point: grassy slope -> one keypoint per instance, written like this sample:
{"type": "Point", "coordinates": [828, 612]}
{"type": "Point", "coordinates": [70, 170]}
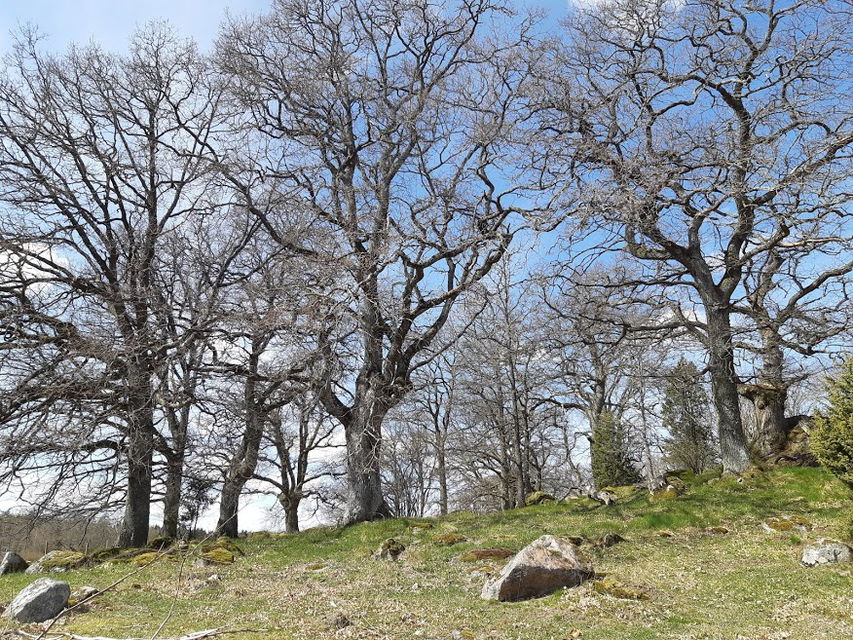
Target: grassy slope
{"type": "Point", "coordinates": [745, 584]}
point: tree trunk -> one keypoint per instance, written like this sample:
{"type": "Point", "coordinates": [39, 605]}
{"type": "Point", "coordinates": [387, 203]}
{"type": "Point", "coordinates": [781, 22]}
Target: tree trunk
{"type": "Point", "coordinates": [244, 462]}
{"type": "Point", "coordinates": [140, 453]}
{"type": "Point", "coordinates": [364, 440]}
{"type": "Point", "coordinates": [172, 498]}
{"type": "Point", "coordinates": [291, 521]}
{"type": "Point", "coordinates": [724, 386]}
{"type": "Point", "coordinates": [229, 506]}
{"type": "Point", "coordinates": [441, 470]}
{"type": "Point", "coordinates": [769, 397]}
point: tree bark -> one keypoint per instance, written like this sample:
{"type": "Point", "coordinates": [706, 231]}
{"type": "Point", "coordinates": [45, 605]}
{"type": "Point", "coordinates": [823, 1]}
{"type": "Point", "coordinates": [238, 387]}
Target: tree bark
{"type": "Point", "coordinates": [172, 498]}
{"type": "Point", "coordinates": [140, 452]}
{"type": "Point", "coordinates": [364, 441]}
{"type": "Point", "coordinates": [734, 453]}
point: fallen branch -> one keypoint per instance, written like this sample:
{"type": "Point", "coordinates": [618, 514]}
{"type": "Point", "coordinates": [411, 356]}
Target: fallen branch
{"type": "Point", "coordinates": [196, 635]}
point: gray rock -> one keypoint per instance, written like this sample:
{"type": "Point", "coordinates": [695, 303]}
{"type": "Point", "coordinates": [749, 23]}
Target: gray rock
{"type": "Point", "coordinates": [542, 567]}
{"type": "Point", "coordinates": [825, 551]}
{"type": "Point", "coordinates": [12, 563]}
{"type": "Point", "coordinates": [42, 600]}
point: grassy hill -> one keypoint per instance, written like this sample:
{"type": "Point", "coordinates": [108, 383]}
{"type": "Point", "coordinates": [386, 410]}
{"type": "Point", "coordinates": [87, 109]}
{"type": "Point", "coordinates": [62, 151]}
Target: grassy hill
{"type": "Point", "coordinates": [700, 583]}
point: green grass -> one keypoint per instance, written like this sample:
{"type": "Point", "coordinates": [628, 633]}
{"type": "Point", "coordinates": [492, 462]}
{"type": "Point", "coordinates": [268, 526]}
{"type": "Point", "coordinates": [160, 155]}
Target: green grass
{"type": "Point", "coordinates": [702, 585]}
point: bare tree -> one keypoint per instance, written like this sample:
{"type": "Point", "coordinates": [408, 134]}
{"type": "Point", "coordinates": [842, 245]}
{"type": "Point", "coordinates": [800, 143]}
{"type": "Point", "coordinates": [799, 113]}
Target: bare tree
{"type": "Point", "coordinates": [99, 162]}
{"type": "Point", "coordinates": [386, 120]}
{"type": "Point", "coordinates": [699, 134]}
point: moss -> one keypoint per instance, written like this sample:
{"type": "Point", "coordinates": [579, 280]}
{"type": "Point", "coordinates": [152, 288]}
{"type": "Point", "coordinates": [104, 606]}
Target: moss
{"type": "Point", "coordinates": [476, 555]}
{"type": "Point", "coordinates": [785, 524]}
{"type": "Point", "coordinates": [161, 542]}
{"type": "Point", "coordinates": [662, 495]}
{"type": "Point", "coordinates": [219, 555]}
{"type": "Point", "coordinates": [390, 549]}
{"type": "Point", "coordinates": [449, 539]}
{"type": "Point", "coordinates": [612, 587]}
{"type": "Point", "coordinates": [103, 555]}
{"type": "Point", "coordinates": [63, 560]}
{"type": "Point", "coordinates": [144, 559]}
{"type": "Point", "coordinates": [223, 542]}
{"type": "Point", "coordinates": [539, 497]}
{"type": "Point", "coordinates": [623, 493]}
{"type": "Point", "coordinates": [718, 530]}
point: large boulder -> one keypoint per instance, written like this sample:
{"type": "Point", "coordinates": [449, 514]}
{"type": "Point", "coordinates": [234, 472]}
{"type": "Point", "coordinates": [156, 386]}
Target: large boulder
{"type": "Point", "coordinates": [42, 600]}
{"type": "Point", "coordinates": [542, 567]}
{"type": "Point", "coordinates": [12, 563]}
{"type": "Point", "coordinates": [826, 551]}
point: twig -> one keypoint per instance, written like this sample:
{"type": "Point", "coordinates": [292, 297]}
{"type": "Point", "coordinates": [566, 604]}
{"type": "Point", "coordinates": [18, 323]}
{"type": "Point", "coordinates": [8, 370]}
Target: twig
{"type": "Point", "coordinates": [196, 635]}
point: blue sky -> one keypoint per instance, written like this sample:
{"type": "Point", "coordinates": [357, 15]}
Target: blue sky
{"type": "Point", "coordinates": [111, 21]}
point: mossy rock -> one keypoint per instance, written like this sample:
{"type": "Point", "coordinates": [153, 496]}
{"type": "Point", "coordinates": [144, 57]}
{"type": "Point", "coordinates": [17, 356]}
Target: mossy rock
{"type": "Point", "coordinates": [223, 542]}
{"type": "Point", "coordinates": [63, 560]}
{"type": "Point", "coordinates": [608, 540]}
{"type": "Point", "coordinates": [102, 555]}
{"type": "Point", "coordinates": [612, 587]}
{"type": "Point", "coordinates": [449, 539]}
{"type": "Point", "coordinates": [390, 549]}
{"type": "Point", "coordinates": [144, 559]}
{"type": "Point", "coordinates": [623, 493]}
{"type": "Point", "coordinates": [663, 495]}
{"type": "Point", "coordinates": [160, 542]}
{"type": "Point", "coordinates": [478, 555]}
{"type": "Point", "coordinates": [719, 530]}
{"type": "Point", "coordinates": [218, 555]}
{"type": "Point", "coordinates": [787, 524]}
{"type": "Point", "coordinates": [679, 475]}
{"type": "Point", "coordinates": [539, 497]}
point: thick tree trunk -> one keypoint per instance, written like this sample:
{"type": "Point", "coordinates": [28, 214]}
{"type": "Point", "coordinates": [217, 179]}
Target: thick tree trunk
{"type": "Point", "coordinates": [769, 397]}
{"type": "Point", "coordinates": [244, 462]}
{"type": "Point", "coordinates": [291, 519]}
{"type": "Point", "coordinates": [734, 453]}
{"type": "Point", "coordinates": [364, 441]}
{"type": "Point", "coordinates": [229, 507]}
{"type": "Point", "coordinates": [140, 453]}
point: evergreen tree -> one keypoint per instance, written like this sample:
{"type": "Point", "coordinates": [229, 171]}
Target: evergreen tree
{"type": "Point", "coordinates": [610, 458]}
{"type": "Point", "coordinates": [686, 417]}
{"type": "Point", "coordinates": [832, 439]}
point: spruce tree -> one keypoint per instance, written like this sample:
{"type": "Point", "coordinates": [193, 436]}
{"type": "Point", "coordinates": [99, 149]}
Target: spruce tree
{"type": "Point", "coordinates": [832, 439]}
{"type": "Point", "coordinates": [687, 419]}
{"type": "Point", "coordinates": [610, 458]}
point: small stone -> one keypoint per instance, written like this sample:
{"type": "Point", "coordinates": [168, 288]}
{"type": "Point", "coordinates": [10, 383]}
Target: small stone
{"type": "Point", "coordinates": [12, 563]}
{"type": "Point", "coordinates": [42, 600]}
{"type": "Point", "coordinates": [825, 551]}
